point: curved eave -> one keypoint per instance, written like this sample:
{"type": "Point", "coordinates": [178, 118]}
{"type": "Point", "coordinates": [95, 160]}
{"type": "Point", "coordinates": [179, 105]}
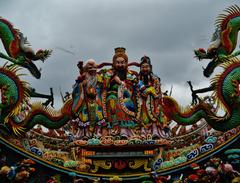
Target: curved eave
{"type": "Point", "coordinates": [126, 177]}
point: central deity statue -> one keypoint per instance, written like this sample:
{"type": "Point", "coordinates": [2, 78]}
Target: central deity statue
{"type": "Point", "coordinates": [118, 101]}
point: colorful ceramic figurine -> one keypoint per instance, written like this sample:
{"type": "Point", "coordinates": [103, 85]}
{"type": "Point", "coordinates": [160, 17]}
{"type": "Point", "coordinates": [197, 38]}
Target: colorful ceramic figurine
{"type": "Point", "coordinates": [119, 98]}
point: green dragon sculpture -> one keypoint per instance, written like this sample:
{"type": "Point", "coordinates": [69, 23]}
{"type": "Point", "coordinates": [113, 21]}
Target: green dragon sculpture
{"type": "Point", "coordinates": [19, 53]}
{"type": "Point", "coordinates": [227, 93]}
{"type": "Point", "coordinates": [18, 50]}
{"type": "Point", "coordinates": [224, 40]}
{"type": "Point", "coordinates": [225, 86]}
{"type": "Point", "coordinates": [14, 93]}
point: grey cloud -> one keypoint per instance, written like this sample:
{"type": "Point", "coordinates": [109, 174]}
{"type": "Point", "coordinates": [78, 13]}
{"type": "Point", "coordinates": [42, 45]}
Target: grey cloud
{"type": "Point", "coordinates": [165, 30]}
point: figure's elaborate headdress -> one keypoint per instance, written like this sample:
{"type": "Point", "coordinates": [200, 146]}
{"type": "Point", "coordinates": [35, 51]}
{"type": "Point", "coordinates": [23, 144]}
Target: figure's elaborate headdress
{"type": "Point", "coordinates": [145, 59]}
{"type": "Point", "coordinates": [120, 52]}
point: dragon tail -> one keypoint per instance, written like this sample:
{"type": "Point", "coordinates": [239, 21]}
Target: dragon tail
{"type": "Point", "coordinates": [47, 117]}
{"type": "Point", "coordinates": [193, 115]}
{"type": "Point", "coordinates": [43, 116]}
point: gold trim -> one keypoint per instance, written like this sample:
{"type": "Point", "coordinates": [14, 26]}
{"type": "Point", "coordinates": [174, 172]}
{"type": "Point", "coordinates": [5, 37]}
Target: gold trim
{"type": "Point", "coordinates": [126, 176]}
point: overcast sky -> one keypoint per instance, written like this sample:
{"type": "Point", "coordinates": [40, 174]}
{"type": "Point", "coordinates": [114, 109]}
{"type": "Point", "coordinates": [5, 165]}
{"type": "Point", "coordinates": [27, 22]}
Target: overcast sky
{"type": "Point", "coordinates": [166, 30]}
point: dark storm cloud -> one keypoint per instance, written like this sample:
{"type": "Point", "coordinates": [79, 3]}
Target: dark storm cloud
{"type": "Point", "coordinates": [165, 30]}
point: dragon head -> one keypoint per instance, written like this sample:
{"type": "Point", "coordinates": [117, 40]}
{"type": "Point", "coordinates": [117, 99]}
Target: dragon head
{"type": "Point", "coordinates": [26, 56]}
{"type": "Point", "coordinates": [201, 53]}
{"type": "Point", "coordinates": [209, 54]}
{"type": "Point", "coordinates": [26, 60]}
{"type": "Point", "coordinates": [213, 48]}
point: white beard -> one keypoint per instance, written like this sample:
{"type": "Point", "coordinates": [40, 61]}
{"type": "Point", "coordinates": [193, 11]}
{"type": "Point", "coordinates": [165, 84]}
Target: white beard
{"type": "Point", "coordinates": [91, 81]}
